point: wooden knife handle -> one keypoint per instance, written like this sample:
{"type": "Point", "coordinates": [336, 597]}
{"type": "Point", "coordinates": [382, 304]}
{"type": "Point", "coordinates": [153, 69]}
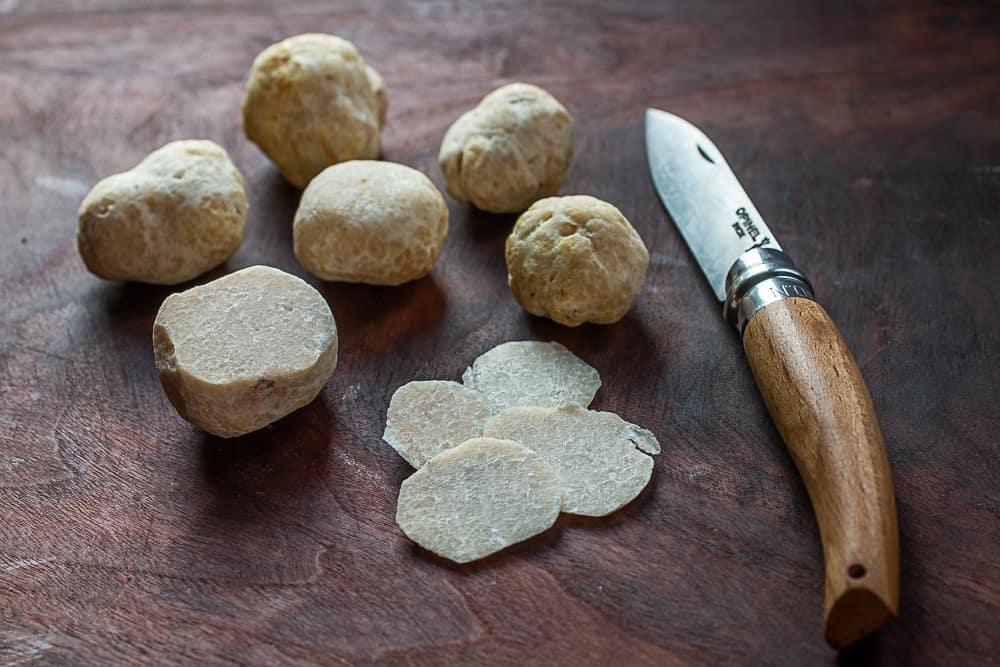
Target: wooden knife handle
{"type": "Point", "coordinates": [822, 408]}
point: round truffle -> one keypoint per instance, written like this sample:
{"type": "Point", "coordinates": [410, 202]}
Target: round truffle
{"type": "Point", "coordinates": [575, 259]}
{"type": "Point", "coordinates": [309, 103]}
{"type": "Point", "coordinates": [175, 215]}
{"type": "Point", "coordinates": [511, 150]}
{"type": "Point", "coordinates": [245, 350]}
{"type": "Point", "coordinates": [371, 222]}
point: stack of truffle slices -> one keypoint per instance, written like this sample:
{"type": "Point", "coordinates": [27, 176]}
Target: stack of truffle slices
{"type": "Point", "coordinates": [501, 454]}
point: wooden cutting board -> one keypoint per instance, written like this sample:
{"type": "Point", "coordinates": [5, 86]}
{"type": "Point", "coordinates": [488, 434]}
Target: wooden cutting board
{"type": "Point", "coordinates": [869, 138]}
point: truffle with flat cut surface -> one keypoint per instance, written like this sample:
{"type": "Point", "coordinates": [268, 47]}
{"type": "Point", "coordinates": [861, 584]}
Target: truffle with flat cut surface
{"type": "Point", "coordinates": [245, 350]}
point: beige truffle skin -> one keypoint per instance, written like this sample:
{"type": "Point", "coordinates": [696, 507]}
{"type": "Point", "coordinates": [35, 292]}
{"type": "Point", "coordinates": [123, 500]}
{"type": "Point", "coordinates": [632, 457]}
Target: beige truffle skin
{"type": "Point", "coordinates": [309, 103]}
{"type": "Point", "coordinates": [245, 350]}
{"type": "Point", "coordinates": [175, 215]}
{"type": "Point", "coordinates": [381, 95]}
{"type": "Point", "coordinates": [370, 222]}
{"type": "Point", "coordinates": [575, 259]}
{"type": "Point", "coordinates": [511, 150]}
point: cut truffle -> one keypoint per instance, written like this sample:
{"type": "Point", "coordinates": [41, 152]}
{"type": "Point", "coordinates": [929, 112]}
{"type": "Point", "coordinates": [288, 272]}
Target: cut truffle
{"type": "Point", "coordinates": [532, 373]}
{"type": "Point", "coordinates": [245, 350]}
{"type": "Point", "coordinates": [429, 416]}
{"type": "Point", "coordinates": [601, 460]}
{"type": "Point", "coordinates": [478, 498]}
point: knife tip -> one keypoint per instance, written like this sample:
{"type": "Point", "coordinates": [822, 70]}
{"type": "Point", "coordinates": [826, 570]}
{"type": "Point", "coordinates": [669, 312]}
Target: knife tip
{"type": "Point", "coordinates": [653, 116]}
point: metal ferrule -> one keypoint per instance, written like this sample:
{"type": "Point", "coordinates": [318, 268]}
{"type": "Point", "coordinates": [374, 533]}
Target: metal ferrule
{"type": "Point", "coordinates": [759, 277]}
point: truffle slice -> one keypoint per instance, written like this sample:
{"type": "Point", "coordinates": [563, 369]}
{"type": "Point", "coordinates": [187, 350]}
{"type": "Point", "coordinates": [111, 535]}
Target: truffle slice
{"type": "Point", "coordinates": [532, 373]}
{"type": "Point", "coordinates": [601, 460]}
{"type": "Point", "coordinates": [427, 417]}
{"type": "Point", "coordinates": [478, 498]}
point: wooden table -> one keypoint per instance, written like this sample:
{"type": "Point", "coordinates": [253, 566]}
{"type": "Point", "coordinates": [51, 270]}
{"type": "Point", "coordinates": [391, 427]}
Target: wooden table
{"type": "Point", "coordinates": [869, 137]}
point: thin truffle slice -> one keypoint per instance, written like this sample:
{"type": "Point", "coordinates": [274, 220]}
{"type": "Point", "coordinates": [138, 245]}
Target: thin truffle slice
{"type": "Point", "coordinates": [429, 416]}
{"type": "Point", "coordinates": [478, 498]}
{"type": "Point", "coordinates": [598, 457]}
{"type": "Point", "coordinates": [245, 350]}
{"type": "Point", "coordinates": [532, 373]}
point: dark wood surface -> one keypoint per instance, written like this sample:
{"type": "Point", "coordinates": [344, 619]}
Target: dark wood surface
{"type": "Point", "coordinates": [869, 136]}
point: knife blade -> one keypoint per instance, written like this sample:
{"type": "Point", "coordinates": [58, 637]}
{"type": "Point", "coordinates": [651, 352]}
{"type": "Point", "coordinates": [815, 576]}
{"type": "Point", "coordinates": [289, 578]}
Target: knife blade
{"type": "Point", "coordinates": [807, 376]}
{"type": "Point", "coordinates": [712, 212]}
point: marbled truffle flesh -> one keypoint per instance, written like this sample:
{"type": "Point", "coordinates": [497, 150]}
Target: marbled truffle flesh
{"type": "Point", "coordinates": [575, 259]}
{"type": "Point", "coordinates": [370, 222]}
{"type": "Point", "coordinates": [530, 372]}
{"type": "Point", "coordinates": [175, 215]}
{"type": "Point", "coordinates": [426, 417]}
{"type": "Point", "coordinates": [509, 151]}
{"type": "Point", "coordinates": [309, 103]}
{"type": "Point", "coordinates": [601, 460]}
{"type": "Point", "coordinates": [478, 498]}
{"type": "Point", "coordinates": [245, 350]}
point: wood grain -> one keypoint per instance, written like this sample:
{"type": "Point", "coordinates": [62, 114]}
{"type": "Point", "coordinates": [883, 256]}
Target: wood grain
{"type": "Point", "coordinates": [820, 405]}
{"type": "Point", "coordinates": [869, 137]}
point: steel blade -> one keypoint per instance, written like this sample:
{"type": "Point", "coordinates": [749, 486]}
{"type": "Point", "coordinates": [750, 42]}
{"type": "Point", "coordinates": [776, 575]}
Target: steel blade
{"type": "Point", "coordinates": [706, 201]}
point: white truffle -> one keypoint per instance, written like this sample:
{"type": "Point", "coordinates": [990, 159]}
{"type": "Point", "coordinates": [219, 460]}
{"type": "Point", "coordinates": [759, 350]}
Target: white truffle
{"type": "Point", "coordinates": [532, 373]}
{"type": "Point", "coordinates": [371, 222]}
{"type": "Point", "coordinates": [575, 259]}
{"type": "Point", "coordinates": [309, 103]}
{"type": "Point", "coordinates": [427, 417]}
{"type": "Point", "coordinates": [175, 215]}
{"type": "Point", "coordinates": [245, 350]}
{"type": "Point", "coordinates": [600, 459]}
{"type": "Point", "coordinates": [478, 498]}
{"type": "Point", "coordinates": [512, 149]}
